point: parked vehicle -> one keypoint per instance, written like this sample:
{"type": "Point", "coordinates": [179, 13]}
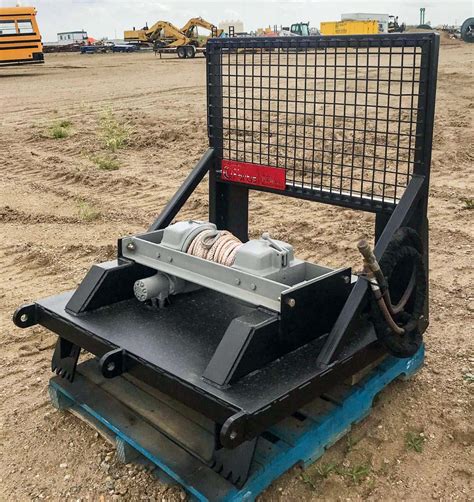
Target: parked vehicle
{"type": "Point", "coordinates": [125, 48]}
{"type": "Point", "coordinates": [20, 37]}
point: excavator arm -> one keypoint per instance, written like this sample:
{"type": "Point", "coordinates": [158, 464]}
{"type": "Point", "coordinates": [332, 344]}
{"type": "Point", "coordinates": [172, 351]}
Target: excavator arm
{"type": "Point", "coordinates": [195, 22]}
{"type": "Point", "coordinates": [172, 36]}
{"type": "Point", "coordinates": [167, 32]}
{"type": "Point", "coordinates": [163, 31]}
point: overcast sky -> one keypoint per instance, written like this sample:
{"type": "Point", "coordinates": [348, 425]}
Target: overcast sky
{"type": "Point", "coordinates": [109, 18]}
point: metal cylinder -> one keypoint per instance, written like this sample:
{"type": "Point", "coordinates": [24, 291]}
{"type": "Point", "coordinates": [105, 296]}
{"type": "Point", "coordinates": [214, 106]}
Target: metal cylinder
{"type": "Point", "coordinates": [151, 287]}
{"type": "Point", "coordinates": [366, 251]}
{"type": "Point", "coordinates": [372, 263]}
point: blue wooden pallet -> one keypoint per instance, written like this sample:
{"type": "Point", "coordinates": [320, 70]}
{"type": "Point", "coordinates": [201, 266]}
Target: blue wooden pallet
{"type": "Point", "coordinates": [299, 439]}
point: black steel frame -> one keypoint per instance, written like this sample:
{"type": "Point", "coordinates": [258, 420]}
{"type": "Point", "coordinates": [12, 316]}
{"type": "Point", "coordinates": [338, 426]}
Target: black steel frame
{"type": "Point", "coordinates": [332, 360]}
{"type": "Point", "coordinates": [258, 112]}
{"type": "Point", "coordinates": [231, 81]}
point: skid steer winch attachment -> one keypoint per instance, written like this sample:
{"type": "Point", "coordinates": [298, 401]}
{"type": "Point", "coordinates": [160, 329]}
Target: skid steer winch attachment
{"type": "Point", "coordinates": [239, 334]}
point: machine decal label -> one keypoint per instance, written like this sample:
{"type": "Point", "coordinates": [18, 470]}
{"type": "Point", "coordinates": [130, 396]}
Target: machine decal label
{"type": "Point", "coordinates": [254, 174]}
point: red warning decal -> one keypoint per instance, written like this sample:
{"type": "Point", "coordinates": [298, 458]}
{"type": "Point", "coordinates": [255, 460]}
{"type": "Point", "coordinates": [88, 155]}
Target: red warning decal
{"type": "Point", "coordinates": [254, 174]}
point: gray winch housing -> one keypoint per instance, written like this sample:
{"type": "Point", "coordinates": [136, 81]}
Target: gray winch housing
{"type": "Point", "coordinates": [262, 270]}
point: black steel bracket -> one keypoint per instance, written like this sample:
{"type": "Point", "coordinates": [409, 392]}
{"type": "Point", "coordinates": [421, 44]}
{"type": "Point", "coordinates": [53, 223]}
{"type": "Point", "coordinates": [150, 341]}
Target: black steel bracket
{"type": "Point", "coordinates": [307, 312]}
{"type": "Point", "coordinates": [65, 357]}
{"type": "Point", "coordinates": [113, 363]}
{"type": "Point", "coordinates": [234, 464]}
{"type": "Point", "coordinates": [245, 336]}
{"type": "Point", "coordinates": [310, 310]}
{"type": "Point", "coordinates": [25, 316]}
{"type": "Point", "coordinates": [106, 283]}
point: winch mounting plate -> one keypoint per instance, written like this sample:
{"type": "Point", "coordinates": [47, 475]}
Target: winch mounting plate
{"type": "Point", "coordinates": [170, 349]}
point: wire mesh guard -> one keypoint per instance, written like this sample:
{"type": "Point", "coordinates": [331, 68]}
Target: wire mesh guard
{"type": "Point", "coordinates": [340, 118]}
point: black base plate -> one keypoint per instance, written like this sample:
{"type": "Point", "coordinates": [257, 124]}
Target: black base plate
{"type": "Point", "coordinates": [170, 349]}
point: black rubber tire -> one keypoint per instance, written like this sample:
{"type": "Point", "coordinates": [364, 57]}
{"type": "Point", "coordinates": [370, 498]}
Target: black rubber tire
{"type": "Point", "coordinates": [402, 255]}
{"type": "Point", "coordinates": [467, 30]}
{"type": "Point", "coordinates": [190, 51]}
{"type": "Point", "coordinates": [182, 53]}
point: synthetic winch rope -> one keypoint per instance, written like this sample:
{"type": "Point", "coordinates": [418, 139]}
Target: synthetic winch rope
{"type": "Point", "coordinates": [219, 246]}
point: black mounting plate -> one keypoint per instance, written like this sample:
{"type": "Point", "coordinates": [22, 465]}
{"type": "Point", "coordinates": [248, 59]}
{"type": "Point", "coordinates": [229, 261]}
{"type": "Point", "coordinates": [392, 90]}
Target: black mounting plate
{"type": "Point", "coordinates": [170, 349]}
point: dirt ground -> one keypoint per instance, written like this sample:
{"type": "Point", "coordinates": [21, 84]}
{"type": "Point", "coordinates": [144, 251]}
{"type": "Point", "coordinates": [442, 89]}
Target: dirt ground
{"type": "Point", "coordinates": [59, 213]}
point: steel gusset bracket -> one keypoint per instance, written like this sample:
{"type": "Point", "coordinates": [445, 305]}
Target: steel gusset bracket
{"type": "Point", "coordinates": [65, 357]}
{"type": "Point", "coordinates": [234, 464]}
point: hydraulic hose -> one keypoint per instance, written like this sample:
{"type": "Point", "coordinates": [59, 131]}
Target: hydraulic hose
{"type": "Point", "coordinates": [376, 279]}
{"type": "Point", "coordinates": [372, 265]}
{"type": "Point", "coordinates": [403, 270]}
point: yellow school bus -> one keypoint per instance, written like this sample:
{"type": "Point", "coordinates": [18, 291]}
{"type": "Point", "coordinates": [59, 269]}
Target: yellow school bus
{"type": "Point", "coordinates": [20, 39]}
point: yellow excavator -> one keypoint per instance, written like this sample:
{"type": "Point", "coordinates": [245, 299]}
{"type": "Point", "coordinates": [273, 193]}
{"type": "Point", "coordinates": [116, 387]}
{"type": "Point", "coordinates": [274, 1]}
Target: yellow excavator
{"type": "Point", "coordinates": [168, 34]}
{"type": "Point", "coordinates": [190, 29]}
{"type": "Point", "coordinates": [164, 34]}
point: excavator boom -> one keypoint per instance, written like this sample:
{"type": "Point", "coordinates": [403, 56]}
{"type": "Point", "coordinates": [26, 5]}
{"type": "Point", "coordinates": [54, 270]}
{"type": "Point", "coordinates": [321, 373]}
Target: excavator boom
{"type": "Point", "coordinates": [162, 31]}
{"type": "Point", "coordinates": [171, 36]}
{"type": "Point", "coordinates": [167, 32]}
{"type": "Point", "coordinates": [196, 22]}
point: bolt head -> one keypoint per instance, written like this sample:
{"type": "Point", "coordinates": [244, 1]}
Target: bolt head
{"type": "Point", "coordinates": [291, 302]}
{"type": "Point", "coordinates": [232, 435]}
{"type": "Point", "coordinates": [170, 259]}
{"type": "Point", "coordinates": [237, 281]}
{"type": "Point", "coordinates": [131, 246]}
{"type": "Point", "coordinates": [253, 286]}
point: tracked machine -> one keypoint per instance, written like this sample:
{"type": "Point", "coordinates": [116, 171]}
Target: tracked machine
{"type": "Point", "coordinates": [239, 335]}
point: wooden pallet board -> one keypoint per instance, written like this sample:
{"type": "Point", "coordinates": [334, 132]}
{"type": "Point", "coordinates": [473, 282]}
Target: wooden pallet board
{"type": "Point", "coordinates": [125, 416]}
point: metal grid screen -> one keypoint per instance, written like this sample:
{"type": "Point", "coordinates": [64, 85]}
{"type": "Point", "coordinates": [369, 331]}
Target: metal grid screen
{"type": "Point", "coordinates": [340, 115]}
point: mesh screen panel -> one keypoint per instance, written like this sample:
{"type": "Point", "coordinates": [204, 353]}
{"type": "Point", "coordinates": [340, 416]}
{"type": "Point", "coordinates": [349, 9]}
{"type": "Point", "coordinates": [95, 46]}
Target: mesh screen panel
{"type": "Point", "coordinates": [340, 115]}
